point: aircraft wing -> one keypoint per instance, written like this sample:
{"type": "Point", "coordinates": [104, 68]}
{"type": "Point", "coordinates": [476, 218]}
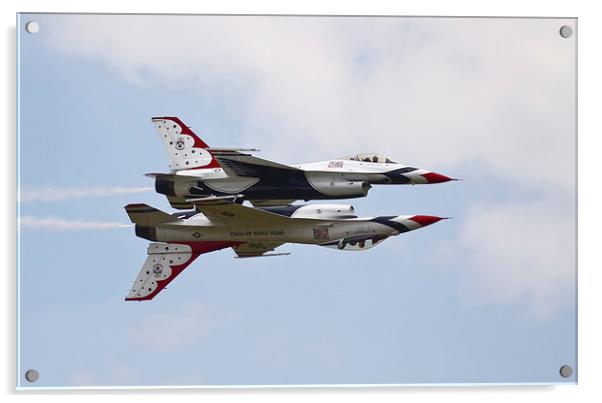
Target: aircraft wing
{"type": "Point", "coordinates": [271, 202]}
{"type": "Point", "coordinates": [253, 249]}
{"type": "Point", "coordinates": [239, 164]}
{"type": "Point", "coordinates": [225, 212]}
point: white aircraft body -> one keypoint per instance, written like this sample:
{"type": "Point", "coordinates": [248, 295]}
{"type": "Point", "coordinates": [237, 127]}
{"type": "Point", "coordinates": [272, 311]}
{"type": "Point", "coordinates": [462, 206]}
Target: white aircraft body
{"type": "Point", "coordinates": [199, 171]}
{"type": "Point", "coordinates": [218, 223]}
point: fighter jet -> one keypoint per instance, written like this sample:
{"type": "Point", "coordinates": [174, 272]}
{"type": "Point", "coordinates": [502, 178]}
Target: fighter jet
{"type": "Point", "coordinates": [218, 223]}
{"type": "Point", "coordinates": [199, 171]}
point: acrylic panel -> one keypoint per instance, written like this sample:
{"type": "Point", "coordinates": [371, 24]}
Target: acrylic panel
{"type": "Point", "coordinates": [243, 122]}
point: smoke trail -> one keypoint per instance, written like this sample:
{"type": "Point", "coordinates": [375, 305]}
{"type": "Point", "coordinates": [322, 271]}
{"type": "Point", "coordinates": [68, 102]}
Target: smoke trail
{"type": "Point", "coordinates": [57, 194]}
{"type": "Point", "coordinates": [59, 224]}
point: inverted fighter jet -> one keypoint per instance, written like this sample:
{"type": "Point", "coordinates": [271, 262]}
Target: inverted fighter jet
{"type": "Point", "coordinates": [178, 239]}
{"type": "Point", "coordinates": [199, 171]}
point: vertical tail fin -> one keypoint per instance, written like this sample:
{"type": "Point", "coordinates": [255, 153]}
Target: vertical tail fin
{"type": "Point", "coordinates": [164, 262]}
{"type": "Point", "coordinates": [184, 148]}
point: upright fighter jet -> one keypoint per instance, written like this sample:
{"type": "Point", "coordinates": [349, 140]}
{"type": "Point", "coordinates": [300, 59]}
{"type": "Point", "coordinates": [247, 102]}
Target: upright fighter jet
{"type": "Point", "coordinates": [178, 239]}
{"type": "Point", "coordinates": [199, 171]}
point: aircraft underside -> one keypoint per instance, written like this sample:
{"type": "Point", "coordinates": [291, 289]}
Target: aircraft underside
{"type": "Point", "coordinates": [266, 189]}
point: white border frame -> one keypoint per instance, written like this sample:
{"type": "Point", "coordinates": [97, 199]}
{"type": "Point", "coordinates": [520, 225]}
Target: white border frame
{"type": "Point", "coordinates": [589, 91]}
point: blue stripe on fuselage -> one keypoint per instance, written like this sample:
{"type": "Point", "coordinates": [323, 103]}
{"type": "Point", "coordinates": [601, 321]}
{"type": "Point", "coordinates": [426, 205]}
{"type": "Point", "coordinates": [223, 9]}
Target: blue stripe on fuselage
{"type": "Point", "coordinates": [386, 220]}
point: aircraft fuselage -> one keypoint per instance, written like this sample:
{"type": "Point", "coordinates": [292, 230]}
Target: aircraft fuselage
{"type": "Point", "coordinates": [303, 231]}
{"type": "Point", "coordinates": [325, 180]}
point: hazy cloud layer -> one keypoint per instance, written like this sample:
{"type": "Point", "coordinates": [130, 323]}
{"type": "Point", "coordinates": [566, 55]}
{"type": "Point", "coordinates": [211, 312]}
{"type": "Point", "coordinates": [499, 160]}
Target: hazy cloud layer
{"type": "Point", "coordinates": [522, 252]}
{"type": "Point", "coordinates": [48, 193]}
{"type": "Point", "coordinates": [444, 90]}
{"type": "Point", "coordinates": [497, 94]}
{"type": "Point", "coordinates": [176, 329]}
{"type": "Point", "coordinates": [59, 224]}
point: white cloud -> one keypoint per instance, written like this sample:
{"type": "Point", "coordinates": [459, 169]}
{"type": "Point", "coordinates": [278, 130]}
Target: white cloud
{"type": "Point", "coordinates": [444, 91]}
{"type": "Point", "coordinates": [522, 252]}
{"type": "Point", "coordinates": [59, 224]}
{"type": "Point", "coordinates": [48, 193]}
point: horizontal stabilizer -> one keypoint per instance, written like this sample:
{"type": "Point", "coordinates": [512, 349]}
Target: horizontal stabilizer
{"type": "Point", "coordinates": [171, 176]}
{"type": "Point", "coordinates": [145, 215]}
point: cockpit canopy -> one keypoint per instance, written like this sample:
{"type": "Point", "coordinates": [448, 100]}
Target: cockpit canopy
{"type": "Point", "coordinates": [370, 157]}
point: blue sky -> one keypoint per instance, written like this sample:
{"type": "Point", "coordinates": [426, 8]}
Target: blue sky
{"type": "Point", "coordinates": [486, 297]}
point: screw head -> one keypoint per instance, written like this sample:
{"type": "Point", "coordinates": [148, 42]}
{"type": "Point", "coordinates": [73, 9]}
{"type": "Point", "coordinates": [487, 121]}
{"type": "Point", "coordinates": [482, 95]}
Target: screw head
{"type": "Point", "coordinates": [32, 375]}
{"type": "Point", "coordinates": [566, 371]}
{"type": "Point", "coordinates": [566, 31]}
{"type": "Point", "coordinates": [32, 27]}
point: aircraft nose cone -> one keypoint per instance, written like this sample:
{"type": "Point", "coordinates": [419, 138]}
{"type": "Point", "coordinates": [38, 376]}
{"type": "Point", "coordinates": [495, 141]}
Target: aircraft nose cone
{"type": "Point", "coordinates": [434, 177]}
{"type": "Point", "coordinates": [425, 220]}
